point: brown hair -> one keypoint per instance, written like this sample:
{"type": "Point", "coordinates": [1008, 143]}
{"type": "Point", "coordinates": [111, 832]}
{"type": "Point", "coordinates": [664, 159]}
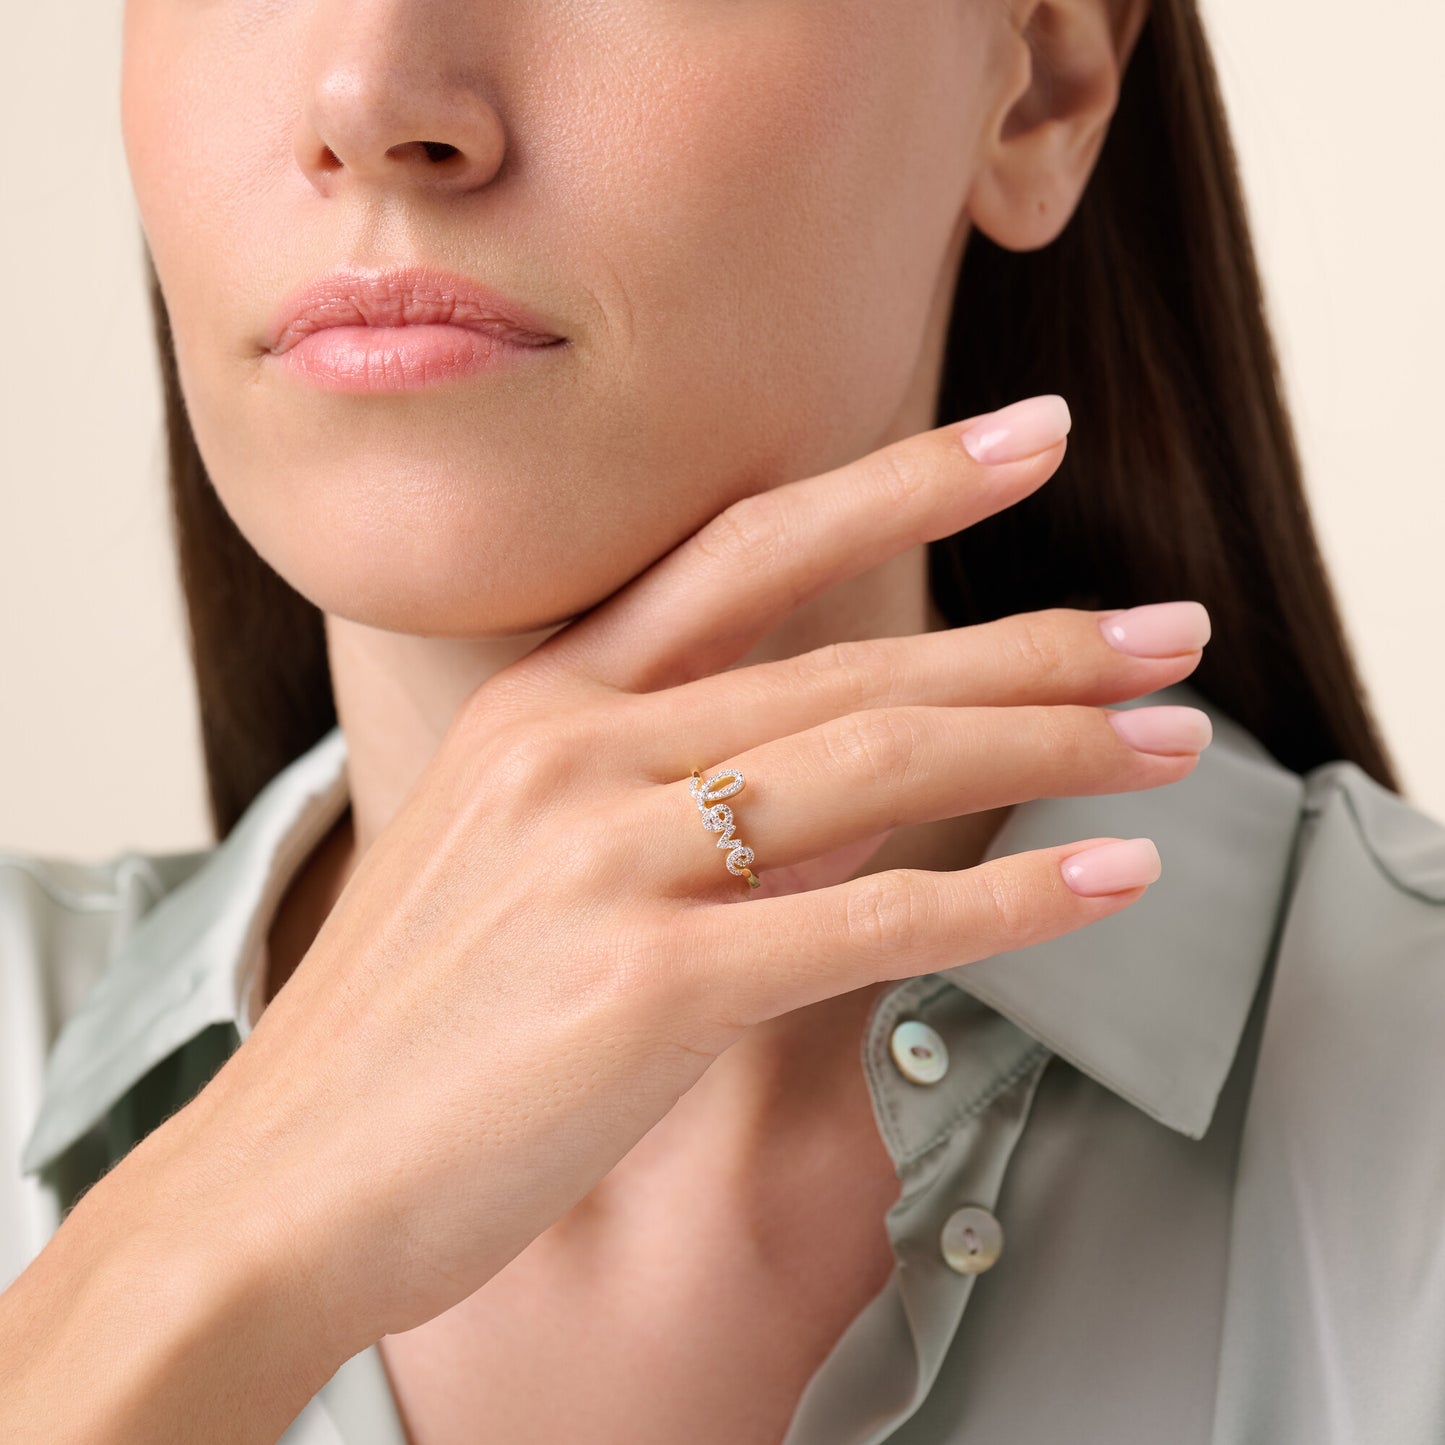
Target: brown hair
{"type": "Point", "coordinates": [1181, 477]}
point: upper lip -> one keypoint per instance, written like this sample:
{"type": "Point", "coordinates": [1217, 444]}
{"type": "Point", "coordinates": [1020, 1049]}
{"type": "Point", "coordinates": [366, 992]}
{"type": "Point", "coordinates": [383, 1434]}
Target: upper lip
{"type": "Point", "coordinates": [403, 296]}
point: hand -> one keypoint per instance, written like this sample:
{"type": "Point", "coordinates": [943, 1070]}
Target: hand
{"type": "Point", "coordinates": [544, 950]}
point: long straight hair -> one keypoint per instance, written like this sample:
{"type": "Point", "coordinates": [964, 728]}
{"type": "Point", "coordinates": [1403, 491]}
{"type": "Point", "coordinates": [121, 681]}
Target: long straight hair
{"type": "Point", "coordinates": [1181, 478]}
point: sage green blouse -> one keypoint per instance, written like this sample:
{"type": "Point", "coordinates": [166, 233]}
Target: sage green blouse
{"type": "Point", "coordinates": [1176, 1178]}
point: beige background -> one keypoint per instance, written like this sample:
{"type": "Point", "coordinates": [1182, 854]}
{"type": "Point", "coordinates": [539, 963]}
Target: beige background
{"type": "Point", "coordinates": [1338, 117]}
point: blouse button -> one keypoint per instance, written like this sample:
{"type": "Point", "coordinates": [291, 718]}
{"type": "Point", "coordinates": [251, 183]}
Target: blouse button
{"type": "Point", "coordinates": [919, 1052]}
{"type": "Point", "coordinates": [972, 1239]}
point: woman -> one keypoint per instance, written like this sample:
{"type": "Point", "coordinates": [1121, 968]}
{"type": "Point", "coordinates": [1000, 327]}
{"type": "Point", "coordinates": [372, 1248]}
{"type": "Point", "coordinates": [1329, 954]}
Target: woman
{"type": "Point", "coordinates": [598, 434]}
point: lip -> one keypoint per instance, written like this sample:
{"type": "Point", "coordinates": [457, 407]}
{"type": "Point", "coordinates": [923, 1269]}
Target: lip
{"type": "Point", "coordinates": [400, 328]}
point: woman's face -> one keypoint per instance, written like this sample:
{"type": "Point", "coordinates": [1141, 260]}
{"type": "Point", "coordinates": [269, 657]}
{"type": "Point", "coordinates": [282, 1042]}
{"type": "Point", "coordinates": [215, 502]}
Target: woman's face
{"type": "Point", "coordinates": [744, 216]}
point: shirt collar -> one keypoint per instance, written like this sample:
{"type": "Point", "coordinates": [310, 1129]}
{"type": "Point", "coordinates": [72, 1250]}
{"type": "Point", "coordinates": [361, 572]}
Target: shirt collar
{"type": "Point", "coordinates": [189, 961]}
{"type": "Point", "coordinates": [1150, 1002]}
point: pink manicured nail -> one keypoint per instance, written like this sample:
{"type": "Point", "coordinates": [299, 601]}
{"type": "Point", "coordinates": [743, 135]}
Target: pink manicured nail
{"type": "Point", "coordinates": [1163, 729]}
{"type": "Point", "coordinates": [1019, 430]}
{"type": "Point", "coordinates": [1112, 867]}
{"type": "Point", "coordinates": [1157, 629]}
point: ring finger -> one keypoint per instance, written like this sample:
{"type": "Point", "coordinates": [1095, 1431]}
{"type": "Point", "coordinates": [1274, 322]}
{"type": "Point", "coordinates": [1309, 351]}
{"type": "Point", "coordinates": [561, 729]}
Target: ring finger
{"type": "Point", "coordinates": [868, 772]}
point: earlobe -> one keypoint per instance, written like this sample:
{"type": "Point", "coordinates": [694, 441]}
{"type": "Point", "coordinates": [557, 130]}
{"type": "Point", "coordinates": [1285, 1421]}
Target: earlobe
{"type": "Point", "coordinates": [1048, 130]}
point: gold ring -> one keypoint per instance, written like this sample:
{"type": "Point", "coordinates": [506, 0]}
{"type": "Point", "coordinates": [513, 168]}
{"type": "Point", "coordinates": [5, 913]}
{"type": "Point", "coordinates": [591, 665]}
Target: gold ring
{"type": "Point", "coordinates": [717, 817]}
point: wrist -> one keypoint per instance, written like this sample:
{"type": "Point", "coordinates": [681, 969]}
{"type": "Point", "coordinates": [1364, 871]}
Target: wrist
{"type": "Point", "coordinates": [173, 1304]}
{"type": "Point", "coordinates": [225, 1214]}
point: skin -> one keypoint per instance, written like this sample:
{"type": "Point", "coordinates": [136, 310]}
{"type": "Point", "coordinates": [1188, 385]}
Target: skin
{"type": "Point", "coordinates": [747, 219]}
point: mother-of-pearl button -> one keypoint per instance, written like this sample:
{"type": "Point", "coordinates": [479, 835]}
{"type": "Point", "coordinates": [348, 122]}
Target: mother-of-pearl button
{"type": "Point", "coordinates": [972, 1239]}
{"type": "Point", "coordinates": [919, 1052]}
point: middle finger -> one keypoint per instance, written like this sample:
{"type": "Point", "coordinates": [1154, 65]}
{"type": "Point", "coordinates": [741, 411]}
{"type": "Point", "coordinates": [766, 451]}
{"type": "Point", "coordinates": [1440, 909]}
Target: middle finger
{"type": "Point", "coordinates": [1056, 655]}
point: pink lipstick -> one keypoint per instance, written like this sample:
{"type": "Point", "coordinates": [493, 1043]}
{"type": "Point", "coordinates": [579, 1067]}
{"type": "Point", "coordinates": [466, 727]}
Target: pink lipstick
{"type": "Point", "coordinates": [401, 329]}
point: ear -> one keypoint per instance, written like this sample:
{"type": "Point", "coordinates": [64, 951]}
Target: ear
{"type": "Point", "coordinates": [1063, 61]}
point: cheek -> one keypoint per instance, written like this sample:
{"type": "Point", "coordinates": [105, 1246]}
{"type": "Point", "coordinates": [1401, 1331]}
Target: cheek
{"type": "Point", "coordinates": [774, 217]}
{"type": "Point", "coordinates": [206, 118]}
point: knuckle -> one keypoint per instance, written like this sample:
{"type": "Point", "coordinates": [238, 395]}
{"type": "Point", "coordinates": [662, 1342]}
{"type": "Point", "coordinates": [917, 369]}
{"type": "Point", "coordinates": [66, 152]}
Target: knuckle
{"type": "Point", "coordinates": [1037, 643]}
{"type": "Point", "coordinates": [516, 727]}
{"type": "Point", "coordinates": [528, 759]}
{"type": "Point", "coordinates": [883, 908]}
{"type": "Point", "coordinates": [900, 472]}
{"type": "Point", "coordinates": [880, 743]}
{"type": "Point", "coordinates": [1001, 902]}
{"type": "Point", "coordinates": [503, 701]}
{"type": "Point", "coordinates": [743, 537]}
{"type": "Point", "coordinates": [505, 694]}
{"type": "Point", "coordinates": [859, 669]}
{"type": "Point", "coordinates": [476, 718]}
{"type": "Point", "coordinates": [596, 726]}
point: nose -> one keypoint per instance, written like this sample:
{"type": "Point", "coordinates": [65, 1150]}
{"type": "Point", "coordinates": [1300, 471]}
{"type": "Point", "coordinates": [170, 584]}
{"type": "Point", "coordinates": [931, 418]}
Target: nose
{"type": "Point", "coordinates": [392, 98]}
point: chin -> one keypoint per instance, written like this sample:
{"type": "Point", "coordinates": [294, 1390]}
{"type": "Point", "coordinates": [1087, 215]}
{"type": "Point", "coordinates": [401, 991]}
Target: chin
{"type": "Point", "coordinates": [398, 598]}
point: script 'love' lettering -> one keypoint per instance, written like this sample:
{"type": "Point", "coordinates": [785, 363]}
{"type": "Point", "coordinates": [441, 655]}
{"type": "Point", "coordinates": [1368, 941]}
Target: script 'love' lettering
{"type": "Point", "coordinates": [717, 817]}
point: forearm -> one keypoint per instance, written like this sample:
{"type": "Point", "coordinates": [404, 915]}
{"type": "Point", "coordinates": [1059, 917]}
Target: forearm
{"type": "Point", "coordinates": [144, 1320]}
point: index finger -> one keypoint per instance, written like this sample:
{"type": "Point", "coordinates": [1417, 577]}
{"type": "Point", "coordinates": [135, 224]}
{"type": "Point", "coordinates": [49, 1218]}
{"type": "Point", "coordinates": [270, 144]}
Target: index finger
{"type": "Point", "coordinates": [700, 607]}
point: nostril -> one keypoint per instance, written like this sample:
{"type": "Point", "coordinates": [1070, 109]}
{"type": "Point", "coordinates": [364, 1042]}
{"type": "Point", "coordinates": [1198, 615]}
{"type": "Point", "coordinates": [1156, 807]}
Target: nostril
{"type": "Point", "coordinates": [438, 150]}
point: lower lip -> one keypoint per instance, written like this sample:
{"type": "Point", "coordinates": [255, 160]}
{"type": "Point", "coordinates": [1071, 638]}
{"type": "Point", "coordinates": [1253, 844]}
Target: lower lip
{"type": "Point", "coordinates": [399, 358]}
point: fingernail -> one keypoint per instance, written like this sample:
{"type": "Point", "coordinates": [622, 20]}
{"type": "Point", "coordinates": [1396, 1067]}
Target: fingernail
{"type": "Point", "coordinates": [1112, 867]}
{"type": "Point", "coordinates": [1021, 429]}
{"type": "Point", "coordinates": [1157, 629]}
{"type": "Point", "coordinates": [1164, 729]}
